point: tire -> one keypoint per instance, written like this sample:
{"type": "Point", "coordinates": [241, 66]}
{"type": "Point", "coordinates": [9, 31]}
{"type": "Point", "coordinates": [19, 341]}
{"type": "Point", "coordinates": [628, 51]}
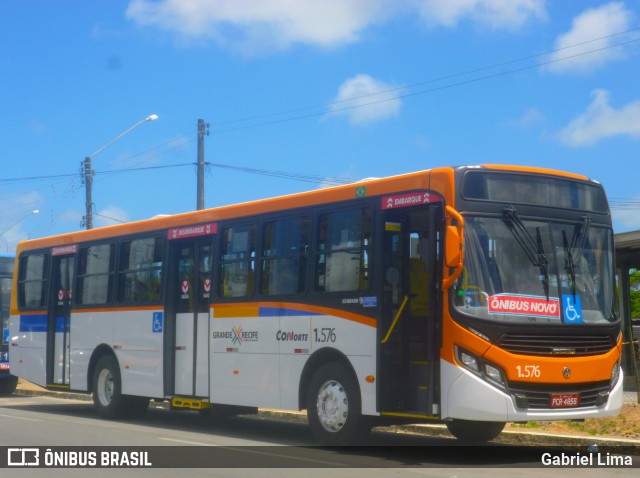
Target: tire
{"type": "Point", "coordinates": [334, 407]}
{"type": "Point", "coordinates": [137, 406]}
{"type": "Point", "coordinates": [225, 411]}
{"type": "Point", "coordinates": [107, 389]}
{"type": "Point", "coordinates": [471, 431]}
{"type": "Point", "coordinates": [8, 385]}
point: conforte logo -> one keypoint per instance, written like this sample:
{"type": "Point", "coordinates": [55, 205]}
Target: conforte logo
{"type": "Point", "coordinates": [283, 336]}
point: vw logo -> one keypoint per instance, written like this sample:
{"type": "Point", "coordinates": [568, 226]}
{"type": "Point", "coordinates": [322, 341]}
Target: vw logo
{"type": "Point", "coordinates": [566, 372]}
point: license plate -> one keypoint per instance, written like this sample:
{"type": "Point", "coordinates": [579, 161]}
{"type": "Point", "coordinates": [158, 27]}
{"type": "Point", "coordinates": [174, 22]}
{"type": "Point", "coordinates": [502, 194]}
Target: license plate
{"type": "Point", "coordinates": [564, 400]}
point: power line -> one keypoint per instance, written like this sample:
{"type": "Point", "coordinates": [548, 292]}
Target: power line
{"type": "Point", "coordinates": [429, 90]}
{"type": "Point", "coordinates": [420, 83]}
{"type": "Point", "coordinates": [264, 172]}
{"type": "Point", "coordinates": [285, 174]}
{"type": "Point", "coordinates": [110, 218]}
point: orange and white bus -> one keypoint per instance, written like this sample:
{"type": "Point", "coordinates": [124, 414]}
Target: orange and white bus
{"type": "Point", "coordinates": [472, 296]}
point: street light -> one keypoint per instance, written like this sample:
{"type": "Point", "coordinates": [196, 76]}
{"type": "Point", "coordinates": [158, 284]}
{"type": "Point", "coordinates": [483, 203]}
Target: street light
{"type": "Point", "coordinates": [87, 172]}
{"type": "Point", "coordinates": [35, 211]}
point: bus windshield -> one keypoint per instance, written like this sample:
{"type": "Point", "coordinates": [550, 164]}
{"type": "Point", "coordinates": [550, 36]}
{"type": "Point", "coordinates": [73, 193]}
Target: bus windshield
{"type": "Point", "coordinates": [533, 271]}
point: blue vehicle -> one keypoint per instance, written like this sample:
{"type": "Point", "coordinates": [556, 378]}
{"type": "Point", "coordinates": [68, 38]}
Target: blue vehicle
{"type": "Point", "coordinates": [8, 382]}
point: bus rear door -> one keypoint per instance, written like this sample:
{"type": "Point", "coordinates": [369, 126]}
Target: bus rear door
{"type": "Point", "coordinates": [59, 321]}
{"type": "Point", "coordinates": [187, 336]}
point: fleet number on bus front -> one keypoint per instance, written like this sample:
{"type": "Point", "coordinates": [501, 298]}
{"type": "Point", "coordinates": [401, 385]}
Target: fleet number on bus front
{"type": "Point", "coordinates": [528, 371]}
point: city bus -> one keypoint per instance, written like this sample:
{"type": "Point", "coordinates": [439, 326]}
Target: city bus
{"type": "Point", "coordinates": [471, 296]}
{"type": "Point", "coordinates": [8, 382]}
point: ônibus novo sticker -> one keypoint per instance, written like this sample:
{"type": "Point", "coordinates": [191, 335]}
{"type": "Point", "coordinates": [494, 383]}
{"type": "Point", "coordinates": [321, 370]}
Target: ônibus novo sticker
{"type": "Point", "coordinates": [535, 306]}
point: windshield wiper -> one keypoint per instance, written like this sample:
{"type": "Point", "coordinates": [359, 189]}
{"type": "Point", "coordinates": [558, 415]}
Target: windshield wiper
{"type": "Point", "coordinates": [573, 252]}
{"type": "Point", "coordinates": [533, 249]}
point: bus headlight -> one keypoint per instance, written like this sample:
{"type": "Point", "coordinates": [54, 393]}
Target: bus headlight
{"type": "Point", "coordinates": [486, 370]}
{"type": "Point", "coordinates": [468, 361]}
{"type": "Point", "coordinates": [615, 374]}
{"type": "Point", "coordinates": [493, 373]}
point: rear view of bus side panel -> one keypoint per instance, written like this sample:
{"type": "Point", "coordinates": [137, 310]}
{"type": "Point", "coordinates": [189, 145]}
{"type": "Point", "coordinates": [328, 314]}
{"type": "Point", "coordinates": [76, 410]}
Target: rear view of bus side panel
{"type": "Point", "coordinates": [28, 346]}
{"type": "Point", "coordinates": [29, 316]}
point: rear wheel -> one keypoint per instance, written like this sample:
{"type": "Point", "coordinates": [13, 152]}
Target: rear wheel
{"type": "Point", "coordinates": [8, 385]}
{"type": "Point", "coordinates": [137, 406]}
{"type": "Point", "coordinates": [334, 407]}
{"type": "Point", "coordinates": [471, 431]}
{"type": "Point", "coordinates": [107, 390]}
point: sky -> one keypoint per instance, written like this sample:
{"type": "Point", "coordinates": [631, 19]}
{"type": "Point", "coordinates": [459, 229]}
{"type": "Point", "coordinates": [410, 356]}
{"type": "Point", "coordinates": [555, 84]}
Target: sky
{"type": "Point", "coordinates": [301, 94]}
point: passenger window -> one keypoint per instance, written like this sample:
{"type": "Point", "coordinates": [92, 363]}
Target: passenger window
{"type": "Point", "coordinates": [32, 281]}
{"type": "Point", "coordinates": [95, 274]}
{"type": "Point", "coordinates": [237, 261]}
{"type": "Point", "coordinates": [140, 270]}
{"type": "Point", "coordinates": [284, 261]}
{"type": "Point", "coordinates": [342, 257]}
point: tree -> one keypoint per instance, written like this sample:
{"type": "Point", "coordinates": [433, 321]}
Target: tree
{"type": "Point", "coordinates": [634, 292]}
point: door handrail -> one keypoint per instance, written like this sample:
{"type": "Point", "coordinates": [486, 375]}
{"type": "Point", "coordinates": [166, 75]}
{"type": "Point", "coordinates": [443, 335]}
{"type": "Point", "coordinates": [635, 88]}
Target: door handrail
{"type": "Point", "coordinates": [395, 320]}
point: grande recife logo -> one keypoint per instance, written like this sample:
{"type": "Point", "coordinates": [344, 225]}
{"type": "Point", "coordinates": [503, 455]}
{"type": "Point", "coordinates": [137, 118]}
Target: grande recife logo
{"type": "Point", "coordinates": [530, 305]}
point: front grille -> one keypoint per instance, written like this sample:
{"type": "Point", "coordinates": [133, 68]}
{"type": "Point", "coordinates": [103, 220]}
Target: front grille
{"type": "Point", "coordinates": [536, 395]}
{"type": "Point", "coordinates": [556, 344]}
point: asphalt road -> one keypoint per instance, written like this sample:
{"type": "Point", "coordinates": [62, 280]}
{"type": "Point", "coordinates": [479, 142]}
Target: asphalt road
{"type": "Point", "coordinates": [250, 446]}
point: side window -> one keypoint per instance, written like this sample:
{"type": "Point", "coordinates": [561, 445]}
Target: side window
{"type": "Point", "coordinates": [237, 261]}
{"type": "Point", "coordinates": [32, 280]}
{"type": "Point", "coordinates": [95, 274]}
{"type": "Point", "coordinates": [342, 258]}
{"type": "Point", "coordinates": [284, 260]}
{"type": "Point", "coordinates": [140, 270]}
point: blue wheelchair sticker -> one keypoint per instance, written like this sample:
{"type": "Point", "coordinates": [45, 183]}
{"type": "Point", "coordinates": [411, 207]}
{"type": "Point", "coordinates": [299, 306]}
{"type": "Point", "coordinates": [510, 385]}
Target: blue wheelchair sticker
{"type": "Point", "coordinates": [157, 322]}
{"type": "Point", "coordinates": [572, 309]}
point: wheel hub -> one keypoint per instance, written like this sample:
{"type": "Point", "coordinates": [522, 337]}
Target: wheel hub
{"type": "Point", "coordinates": [105, 387]}
{"type": "Point", "coordinates": [333, 406]}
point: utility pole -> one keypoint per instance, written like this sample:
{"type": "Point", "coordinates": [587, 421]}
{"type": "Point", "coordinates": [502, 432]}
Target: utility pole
{"type": "Point", "coordinates": [88, 186]}
{"type": "Point", "coordinates": [203, 129]}
{"type": "Point", "coordinates": [87, 172]}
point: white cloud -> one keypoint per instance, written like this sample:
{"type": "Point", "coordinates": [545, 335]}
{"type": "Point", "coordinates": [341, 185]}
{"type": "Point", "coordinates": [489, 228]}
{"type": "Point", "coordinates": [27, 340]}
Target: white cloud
{"type": "Point", "coordinates": [530, 117]}
{"type": "Point", "coordinates": [362, 99]}
{"type": "Point", "coordinates": [259, 26]}
{"type": "Point", "coordinates": [110, 216]}
{"type": "Point", "coordinates": [601, 121]}
{"type": "Point", "coordinates": [593, 23]}
{"type": "Point", "coordinates": [498, 14]}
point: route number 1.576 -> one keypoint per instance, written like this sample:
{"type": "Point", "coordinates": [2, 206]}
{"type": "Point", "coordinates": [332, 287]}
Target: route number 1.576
{"type": "Point", "coordinates": [528, 371]}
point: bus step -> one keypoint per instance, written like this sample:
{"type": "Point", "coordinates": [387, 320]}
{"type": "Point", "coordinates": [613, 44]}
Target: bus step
{"type": "Point", "coordinates": [189, 403]}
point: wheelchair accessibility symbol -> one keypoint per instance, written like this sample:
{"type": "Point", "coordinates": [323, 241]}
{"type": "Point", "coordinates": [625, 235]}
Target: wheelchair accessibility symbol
{"type": "Point", "coordinates": [157, 322]}
{"type": "Point", "coordinates": [572, 309]}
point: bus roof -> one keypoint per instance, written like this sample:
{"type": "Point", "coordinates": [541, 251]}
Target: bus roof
{"type": "Point", "coordinates": [438, 179]}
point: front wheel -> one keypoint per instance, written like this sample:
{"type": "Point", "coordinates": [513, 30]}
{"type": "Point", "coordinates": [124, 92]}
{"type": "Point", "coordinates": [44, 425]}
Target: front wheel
{"type": "Point", "coordinates": [334, 407]}
{"type": "Point", "coordinates": [471, 431]}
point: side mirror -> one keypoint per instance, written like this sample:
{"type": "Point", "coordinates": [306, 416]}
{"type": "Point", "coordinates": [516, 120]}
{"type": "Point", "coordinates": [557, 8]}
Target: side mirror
{"type": "Point", "coordinates": [453, 252]}
{"type": "Point", "coordinates": [454, 248]}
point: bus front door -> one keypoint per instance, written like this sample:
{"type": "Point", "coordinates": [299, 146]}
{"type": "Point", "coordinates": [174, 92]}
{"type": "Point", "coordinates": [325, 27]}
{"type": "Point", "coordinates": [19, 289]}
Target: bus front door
{"type": "Point", "coordinates": [189, 296]}
{"type": "Point", "coordinates": [59, 322]}
{"type": "Point", "coordinates": [409, 330]}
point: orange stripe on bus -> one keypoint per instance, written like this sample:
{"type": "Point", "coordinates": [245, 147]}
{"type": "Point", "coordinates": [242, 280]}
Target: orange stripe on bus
{"type": "Point", "coordinates": [234, 311]}
{"type": "Point", "coordinates": [226, 311]}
